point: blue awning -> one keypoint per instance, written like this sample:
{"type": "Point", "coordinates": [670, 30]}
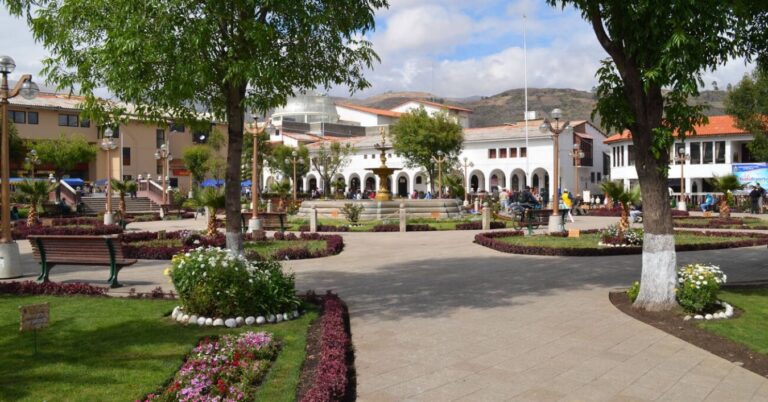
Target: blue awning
{"type": "Point", "coordinates": [74, 182]}
{"type": "Point", "coordinates": [245, 183]}
{"type": "Point", "coordinates": [212, 183]}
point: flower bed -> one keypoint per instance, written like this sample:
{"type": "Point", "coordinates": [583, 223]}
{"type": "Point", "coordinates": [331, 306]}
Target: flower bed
{"type": "Point", "coordinates": [161, 250]}
{"type": "Point", "coordinates": [334, 244]}
{"type": "Point", "coordinates": [330, 380]}
{"type": "Point", "coordinates": [720, 223]}
{"type": "Point", "coordinates": [491, 240]}
{"type": "Point", "coordinates": [478, 225]}
{"type": "Point", "coordinates": [408, 228]}
{"type": "Point", "coordinates": [223, 369]}
{"type": "Point", "coordinates": [617, 212]}
{"type": "Point", "coordinates": [325, 228]}
{"type": "Point", "coordinates": [51, 288]}
{"type": "Point", "coordinates": [21, 230]}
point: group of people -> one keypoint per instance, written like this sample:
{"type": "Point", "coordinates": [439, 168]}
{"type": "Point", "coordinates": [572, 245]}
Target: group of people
{"type": "Point", "coordinates": [756, 198]}
{"type": "Point", "coordinates": [534, 199]}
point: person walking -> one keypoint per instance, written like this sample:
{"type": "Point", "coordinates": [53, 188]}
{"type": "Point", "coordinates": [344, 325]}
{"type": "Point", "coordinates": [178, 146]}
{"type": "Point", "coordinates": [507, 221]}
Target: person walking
{"type": "Point", "coordinates": [754, 197]}
{"type": "Point", "coordinates": [544, 197]}
{"type": "Point", "coordinates": [761, 193]}
{"type": "Point", "coordinates": [568, 202]}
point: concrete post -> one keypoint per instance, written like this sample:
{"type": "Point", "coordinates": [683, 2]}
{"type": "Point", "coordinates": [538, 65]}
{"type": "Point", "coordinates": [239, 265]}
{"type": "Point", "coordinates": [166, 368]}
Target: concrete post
{"type": "Point", "coordinates": [313, 220]}
{"type": "Point", "coordinates": [269, 205]}
{"type": "Point", "coordinates": [486, 217]}
{"type": "Point", "coordinates": [402, 218]}
{"type": "Point", "coordinates": [477, 204]}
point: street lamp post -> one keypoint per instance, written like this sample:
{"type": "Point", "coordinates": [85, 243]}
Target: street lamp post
{"type": "Point", "coordinates": [546, 127]}
{"type": "Point", "coordinates": [467, 165]}
{"type": "Point", "coordinates": [32, 160]}
{"type": "Point", "coordinates": [294, 159]}
{"type": "Point", "coordinates": [255, 223]}
{"type": "Point", "coordinates": [108, 144]}
{"type": "Point", "coordinates": [441, 157]}
{"type": "Point", "coordinates": [576, 154]}
{"type": "Point", "coordinates": [681, 158]}
{"type": "Point", "coordinates": [163, 154]}
{"type": "Point", "coordinates": [10, 266]}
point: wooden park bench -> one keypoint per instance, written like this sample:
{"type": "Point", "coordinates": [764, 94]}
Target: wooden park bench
{"type": "Point", "coordinates": [269, 220]}
{"type": "Point", "coordinates": [80, 250]}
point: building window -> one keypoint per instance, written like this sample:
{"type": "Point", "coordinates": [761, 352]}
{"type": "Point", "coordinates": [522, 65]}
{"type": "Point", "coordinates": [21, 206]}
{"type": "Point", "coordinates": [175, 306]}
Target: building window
{"type": "Point", "coordinates": [32, 117]}
{"type": "Point", "coordinates": [719, 151]}
{"type": "Point", "coordinates": [606, 165]}
{"type": "Point", "coordinates": [523, 152]}
{"type": "Point", "coordinates": [676, 152]}
{"type": "Point", "coordinates": [513, 152]}
{"type": "Point", "coordinates": [17, 117]}
{"type": "Point", "coordinates": [591, 177]}
{"type": "Point", "coordinates": [68, 120]}
{"type": "Point", "coordinates": [621, 157]}
{"type": "Point", "coordinates": [631, 155]}
{"type": "Point", "coordinates": [126, 156]}
{"type": "Point", "coordinates": [598, 177]}
{"type": "Point", "coordinates": [708, 154]}
{"type": "Point", "coordinates": [502, 153]}
{"type": "Point", "coordinates": [179, 128]}
{"type": "Point", "coordinates": [85, 123]}
{"type": "Point", "coordinates": [418, 180]}
{"type": "Point", "coordinates": [365, 156]}
{"type": "Point", "coordinates": [492, 153]}
{"type": "Point", "coordinates": [159, 170]}
{"type": "Point", "coordinates": [695, 153]}
{"type": "Point", "coordinates": [159, 137]}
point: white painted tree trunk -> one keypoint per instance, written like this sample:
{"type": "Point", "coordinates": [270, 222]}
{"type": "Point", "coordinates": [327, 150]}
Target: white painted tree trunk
{"type": "Point", "coordinates": [234, 242]}
{"type": "Point", "coordinates": [659, 275]}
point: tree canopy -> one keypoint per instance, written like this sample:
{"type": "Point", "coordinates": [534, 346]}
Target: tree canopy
{"type": "Point", "coordinates": [196, 159]}
{"type": "Point", "coordinates": [226, 56]}
{"type": "Point", "coordinates": [65, 152]}
{"type": "Point", "coordinates": [417, 137]}
{"type": "Point", "coordinates": [277, 158]}
{"type": "Point", "coordinates": [329, 160]}
{"type": "Point", "coordinates": [658, 50]}
{"type": "Point", "coordinates": [747, 102]}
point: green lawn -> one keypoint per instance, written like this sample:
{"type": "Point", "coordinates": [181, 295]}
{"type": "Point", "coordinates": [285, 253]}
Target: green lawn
{"type": "Point", "coordinates": [116, 349]}
{"type": "Point", "coordinates": [367, 226]}
{"type": "Point", "coordinates": [265, 248]}
{"type": "Point", "coordinates": [590, 240]}
{"type": "Point", "coordinates": [750, 328]}
{"type": "Point", "coordinates": [739, 223]}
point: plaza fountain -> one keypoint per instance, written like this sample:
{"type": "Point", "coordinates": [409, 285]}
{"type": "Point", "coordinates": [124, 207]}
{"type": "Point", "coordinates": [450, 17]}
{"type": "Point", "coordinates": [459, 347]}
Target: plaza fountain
{"type": "Point", "coordinates": [383, 206]}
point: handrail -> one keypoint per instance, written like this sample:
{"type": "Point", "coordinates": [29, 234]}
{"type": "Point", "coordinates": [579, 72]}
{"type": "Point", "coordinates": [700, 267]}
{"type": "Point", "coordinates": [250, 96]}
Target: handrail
{"type": "Point", "coordinates": [155, 192]}
{"type": "Point", "coordinates": [68, 194]}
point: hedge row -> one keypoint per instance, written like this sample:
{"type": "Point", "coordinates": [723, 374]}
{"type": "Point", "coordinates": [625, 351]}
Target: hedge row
{"type": "Point", "coordinates": [331, 376]}
{"type": "Point", "coordinates": [325, 228]}
{"type": "Point", "coordinates": [51, 288]}
{"type": "Point", "coordinates": [717, 223]}
{"type": "Point", "coordinates": [21, 231]}
{"type": "Point", "coordinates": [478, 225]}
{"type": "Point", "coordinates": [334, 244]}
{"type": "Point", "coordinates": [676, 213]}
{"type": "Point", "coordinates": [490, 240]}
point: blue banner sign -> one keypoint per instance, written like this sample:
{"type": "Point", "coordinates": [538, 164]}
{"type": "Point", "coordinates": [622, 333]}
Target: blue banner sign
{"type": "Point", "coordinates": [751, 173]}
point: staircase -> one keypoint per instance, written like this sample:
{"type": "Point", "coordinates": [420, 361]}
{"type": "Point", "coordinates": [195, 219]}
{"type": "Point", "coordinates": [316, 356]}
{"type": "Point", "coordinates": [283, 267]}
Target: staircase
{"type": "Point", "coordinates": [138, 205]}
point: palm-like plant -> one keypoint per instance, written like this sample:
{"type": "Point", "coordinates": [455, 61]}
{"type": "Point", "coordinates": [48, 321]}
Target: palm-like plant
{"type": "Point", "coordinates": [725, 184]}
{"type": "Point", "coordinates": [35, 192]}
{"type": "Point", "coordinates": [123, 188]}
{"type": "Point", "coordinates": [282, 188]}
{"type": "Point", "coordinates": [212, 199]}
{"type": "Point", "coordinates": [617, 192]}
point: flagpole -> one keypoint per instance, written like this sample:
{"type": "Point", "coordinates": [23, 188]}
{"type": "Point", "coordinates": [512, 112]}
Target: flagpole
{"type": "Point", "coordinates": [525, 75]}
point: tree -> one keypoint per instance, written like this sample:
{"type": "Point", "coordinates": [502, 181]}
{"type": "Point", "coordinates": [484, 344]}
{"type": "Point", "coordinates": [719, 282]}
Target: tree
{"type": "Point", "coordinates": [725, 184]}
{"type": "Point", "coordinates": [16, 145]}
{"type": "Point", "coordinates": [35, 192]}
{"type": "Point", "coordinates": [748, 104]}
{"type": "Point", "coordinates": [123, 188]}
{"type": "Point", "coordinates": [282, 189]}
{"type": "Point", "coordinates": [417, 137]}
{"type": "Point", "coordinates": [212, 199]}
{"type": "Point", "coordinates": [228, 56]}
{"type": "Point", "coordinates": [330, 159]}
{"type": "Point", "coordinates": [65, 152]}
{"type": "Point", "coordinates": [655, 45]}
{"type": "Point", "coordinates": [196, 160]}
{"type": "Point", "coordinates": [280, 153]}
{"type": "Point", "coordinates": [617, 192]}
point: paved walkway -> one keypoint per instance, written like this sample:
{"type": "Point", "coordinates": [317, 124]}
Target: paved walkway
{"type": "Point", "coordinates": [436, 317]}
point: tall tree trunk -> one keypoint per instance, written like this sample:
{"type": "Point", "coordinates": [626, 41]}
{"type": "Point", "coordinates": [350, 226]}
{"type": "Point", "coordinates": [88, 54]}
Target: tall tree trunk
{"type": "Point", "coordinates": [725, 210]}
{"type": "Point", "coordinates": [32, 215]}
{"type": "Point", "coordinates": [211, 221]}
{"type": "Point", "coordinates": [624, 222]}
{"type": "Point", "coordinates": [659, 276]}
{"type": "Point", "coordinates": [235, 117]}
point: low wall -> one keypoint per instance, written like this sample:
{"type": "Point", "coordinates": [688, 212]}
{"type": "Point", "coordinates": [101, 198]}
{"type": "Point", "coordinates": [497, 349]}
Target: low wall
{"type": "Point", "coordinates": [447, 208]}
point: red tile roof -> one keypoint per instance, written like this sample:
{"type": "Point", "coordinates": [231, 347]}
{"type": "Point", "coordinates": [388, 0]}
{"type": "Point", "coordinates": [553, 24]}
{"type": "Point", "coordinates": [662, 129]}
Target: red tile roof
{"type": "Point", "coordinates": [718, 125]}
{"type": "Point", "coordinates": [371, 110]}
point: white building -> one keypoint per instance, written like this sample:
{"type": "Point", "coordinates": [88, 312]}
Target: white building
{"type": "Point", "coordinates": [501, 156]}
{"type": "Point", "coordinates": [715, 149]}
{"type": "Point", "coordinates": [460, 115]}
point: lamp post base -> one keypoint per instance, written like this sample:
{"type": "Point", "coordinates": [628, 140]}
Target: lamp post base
{"type": "Point", "coordinates": [10, 261]}
{"type": "Point", "coordinates": [555, 224]}
{"type": "Point", "coordinates": [254, 225]}
{"type": "Point", "coordinates": [682, 206]}
{"type": "Point", "coordinates": [109, 218]}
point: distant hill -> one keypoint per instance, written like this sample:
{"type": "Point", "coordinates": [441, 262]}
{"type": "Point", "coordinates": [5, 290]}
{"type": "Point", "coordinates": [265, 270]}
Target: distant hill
{"type": "Point", "coordinates": [509, 106]}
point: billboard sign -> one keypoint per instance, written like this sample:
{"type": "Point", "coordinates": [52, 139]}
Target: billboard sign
{"type": "Point", "coordinates": [751, 173]}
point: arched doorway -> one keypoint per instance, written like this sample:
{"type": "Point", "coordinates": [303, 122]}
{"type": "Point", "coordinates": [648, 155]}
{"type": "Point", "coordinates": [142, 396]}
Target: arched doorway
{"type": "Point", "coordinates": [370, 184]}
{"type": "Point", "coordinates": [312, 183]}
{"type": "Point", "coordinates": [498, 181]}
{"type": "Point", "coordinates": [477, 181]}
{"type": "Point", "coordinates": [402, 185]}
{"type": "Point", "coordinates": [515, 183]}
{"type": "Point", "coordinates": [354, 184]}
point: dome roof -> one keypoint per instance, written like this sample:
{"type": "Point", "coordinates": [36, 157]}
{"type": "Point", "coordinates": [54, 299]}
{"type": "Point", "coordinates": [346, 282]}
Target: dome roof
{"type": "Point", "coordinates": [315, 107]}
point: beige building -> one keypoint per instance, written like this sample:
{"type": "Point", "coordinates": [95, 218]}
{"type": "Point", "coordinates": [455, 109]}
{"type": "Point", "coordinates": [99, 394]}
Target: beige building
{"type": "Point", "coordinates": [49, 115]}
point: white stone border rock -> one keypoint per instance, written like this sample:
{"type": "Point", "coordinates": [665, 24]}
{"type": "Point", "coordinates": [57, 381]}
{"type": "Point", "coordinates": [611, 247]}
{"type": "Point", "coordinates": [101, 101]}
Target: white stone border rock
{"type": "Point", "coordinates": [720, 315]}
{"type": "Point", "coordinates": [179, 316]}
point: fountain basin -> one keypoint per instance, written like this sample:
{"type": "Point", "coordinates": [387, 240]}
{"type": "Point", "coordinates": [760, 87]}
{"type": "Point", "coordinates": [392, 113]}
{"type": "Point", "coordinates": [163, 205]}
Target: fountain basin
{"type": "Point", "coordinates": [377, 210]}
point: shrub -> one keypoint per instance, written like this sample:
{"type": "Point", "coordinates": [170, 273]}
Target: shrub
{"type": "Point", "coordinates": [22, 231]}
{"type": "Point", "coordinates": [51, 288]}
{"type": "Point", "coordinates": [631, 237]}
{"type": "Point", "coordinates": [352, 212]}
{"type": "Point", "coordinates": [331, 375]}
{"type": "Point", "coordinates": [698, 285]}
{"type": "Point", "coordinates": [478, 225]}
{"type": "Point", "coordinates": [325, 228]}
{"type": "Point", "coordinates": [223, 369]}
{"type": "Point", "coordinates": [216, 283]}
{"type": "Point", "coordinates": [633, 291]}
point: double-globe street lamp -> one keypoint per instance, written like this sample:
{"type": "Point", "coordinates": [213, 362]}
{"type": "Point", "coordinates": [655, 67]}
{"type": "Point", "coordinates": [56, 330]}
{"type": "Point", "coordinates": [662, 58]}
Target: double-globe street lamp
{"type": "Point", "coordinates": [163, 154]}
{"type": "Point", "coordinates": [555, 223]}
{"type": "Point", "coordinates": [293, 160]}
{"type": "Point", "coordinates": [467, 165]}
{"type": "Point", "coordinates": [255, 223]}
{"type": "Point", "coordinates": [108, 144]}
{"type": "Point", "coordinates": [440, 159]}
{"type": "Point", "coordinates": [681, 158]}
{"type": "Point", "coordinates": [10, 266]}
{"type": "Point", "coordinates": [577, 154]}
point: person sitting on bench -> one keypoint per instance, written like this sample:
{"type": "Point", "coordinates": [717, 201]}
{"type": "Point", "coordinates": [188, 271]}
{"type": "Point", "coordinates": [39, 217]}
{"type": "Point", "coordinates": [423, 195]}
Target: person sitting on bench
{"type": "Point", "coordinates": [709, 201]}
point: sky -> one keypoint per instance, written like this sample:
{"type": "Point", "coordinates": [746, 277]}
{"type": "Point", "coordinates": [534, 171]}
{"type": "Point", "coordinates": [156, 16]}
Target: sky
{"type": "Point", "coordinates": [451, 48]}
